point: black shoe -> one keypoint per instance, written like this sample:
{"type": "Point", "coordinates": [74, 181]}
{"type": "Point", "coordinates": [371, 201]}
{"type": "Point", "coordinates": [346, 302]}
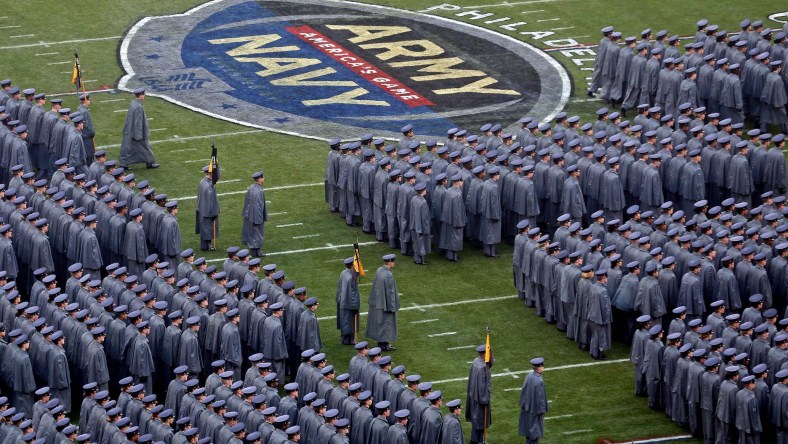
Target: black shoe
{"type": "Point", "coordinates": [389, 348]}
{"type": "Point", "coordinates": [590, 94]}
{"type": "Point", "coordinates": [151, 166]}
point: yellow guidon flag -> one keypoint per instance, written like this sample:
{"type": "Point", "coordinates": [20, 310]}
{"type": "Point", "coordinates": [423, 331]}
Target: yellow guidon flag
{"type": "Point", "coordinates": [357, 267]}
{"type": "Point", "coordinates": [76, 76]}
{"type": "Point", "coordinates": [487, 348]}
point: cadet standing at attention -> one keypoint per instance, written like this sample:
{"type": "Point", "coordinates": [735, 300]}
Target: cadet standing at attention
{"type": "Point", "coordinates": [348, 303]}
{"type": "Point", "coordinates": [533, 404]}
{"type": "Point", "coordinates": [255, 214]}
{"type": "Point", "coordinates": [207, 224]}
{"type": "Point", "coordinates": [383, 305]}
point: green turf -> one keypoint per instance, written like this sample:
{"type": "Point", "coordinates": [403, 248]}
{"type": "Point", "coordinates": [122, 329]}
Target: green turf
{"type": "Point", "coordinates": [600, 398]}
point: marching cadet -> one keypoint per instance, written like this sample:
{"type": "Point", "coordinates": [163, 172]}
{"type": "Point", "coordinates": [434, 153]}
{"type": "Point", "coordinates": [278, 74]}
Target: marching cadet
{"type": "Point", "coordinates": [136, 147]}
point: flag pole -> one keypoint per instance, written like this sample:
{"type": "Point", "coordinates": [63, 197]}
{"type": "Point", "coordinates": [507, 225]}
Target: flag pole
{"type": "Point", "coordinates": [487, 360]}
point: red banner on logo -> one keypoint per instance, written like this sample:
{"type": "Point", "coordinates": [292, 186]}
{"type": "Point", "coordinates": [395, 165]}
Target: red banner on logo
{"type": "Point", "coordinates": [360, 66]}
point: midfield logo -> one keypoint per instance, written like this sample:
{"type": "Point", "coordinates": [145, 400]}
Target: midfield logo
{"type": "Point", "coordinates": [325, 68]}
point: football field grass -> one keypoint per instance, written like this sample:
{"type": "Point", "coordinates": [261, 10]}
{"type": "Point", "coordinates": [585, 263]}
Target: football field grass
{"type": "Point", "coordinates": [446, 306]}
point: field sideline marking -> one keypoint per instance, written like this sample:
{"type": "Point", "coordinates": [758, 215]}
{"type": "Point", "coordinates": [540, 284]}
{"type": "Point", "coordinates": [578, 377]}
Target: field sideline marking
{"type": "Point", "coordinates": [48, 53]}
{"type": "Point", "coordinates": [283, 187]}
{"type": "Point", "coordinates": [63, 42]}
{"type": "Point", "coordinates": [423, 321]}
{"type": "Point", "coordinates": [229, 181]}
{"type": "Point", "coordinates": [305, 250]}
{"type": "Point", "coordinates": [20, 36]}
{"type": "Point", "coordinates": [522, 372]}
{"type": "Point", "coordinates": [428, 306]}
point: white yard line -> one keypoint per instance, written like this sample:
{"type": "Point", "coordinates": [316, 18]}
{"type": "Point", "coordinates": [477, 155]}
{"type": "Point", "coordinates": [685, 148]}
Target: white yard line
{"type": "Point", "coordinates": [506, 4]}
{"type": "Point", "coordinates": [61, 63]}
{"type": "Point", "coordinates": [653, 440]}
{"type": "Point", "coordinates": [462, 347]}
{"type": "Point", "coordinates": [62, 42]}
{"type": "Point", "coordinates": [159, 129]}
{"type": "Point", "coordinates": [307, 235]}
{"type": "Point", "coordinates": [417, 307]}
{"type": "Point", "coordinates": [306, 250]}
{"type": "Point", "coordinates": [522, 372]}
{"type": "Point", "coordinates": [555, 417]}
{"type": "Point", "coordinates": [229, 181]}
{"type": "Point", "coordinates": [283, 187]}
{"type": "Point", "coordinates": [426, 307]}
{"type": "Point", "coordinates": [90, 91]}
{"type": "Point", "coordinates": [118, 111]}
{"type": "Point", "coordinates": [111, 100]}
{"type": "Point", "coordinates": [572, 432]}
{"type": "Point", "coordinates": [290, 225]}
{"type": "Point", "coordinates": [507, 371]}
{"type": "Point", "coordinates": [448, 333]}
{"type": "Point", "coordinates": [423, 321]}
{"type": "Point", "coordinates": [47, 53]}
{"type": "Point", "coordinates": [188, 138]}
{"type": "Point", "coordinates": [548, 20]}
{"type": "Point", "coordinates": [531, 12]}
{"type": "Point", "coordinates": [20, 36]}
{"type": "Point", "coordinates": [277, 213]}
{"type": "Point", "coordinates": [10, 26]}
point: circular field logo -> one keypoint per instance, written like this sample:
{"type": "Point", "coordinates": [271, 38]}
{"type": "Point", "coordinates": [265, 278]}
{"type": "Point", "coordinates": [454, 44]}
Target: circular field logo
{"type": "Point", "coordinates": [328, 68]}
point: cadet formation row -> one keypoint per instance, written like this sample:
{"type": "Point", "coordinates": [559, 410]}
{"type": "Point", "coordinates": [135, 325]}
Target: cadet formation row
{"type": "Point", "coordinates": [149, 307]}
{"type": "Point", "coordinates": [479, 188]}
{"type": "Point", "coordinates": [154, 317]}
{"type": "Point", "coordinates": [739, 75]}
